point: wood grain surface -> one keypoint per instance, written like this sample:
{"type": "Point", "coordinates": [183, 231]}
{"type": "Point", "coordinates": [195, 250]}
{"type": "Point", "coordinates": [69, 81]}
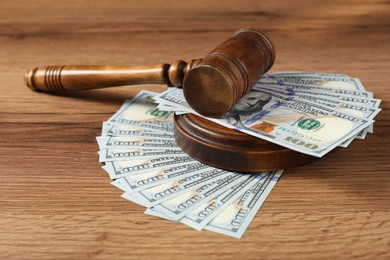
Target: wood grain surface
{"type": "Point", "coordinates": [56, 201]}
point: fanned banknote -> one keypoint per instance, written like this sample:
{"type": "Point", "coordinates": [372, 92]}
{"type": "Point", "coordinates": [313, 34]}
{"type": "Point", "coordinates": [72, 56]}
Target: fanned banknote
{"type": "Point", "coordinates": [141, 157]}
{"type": "Point", "coordinates": [315, 80]}
{"type": "Point", "coordinates": [141, 112]}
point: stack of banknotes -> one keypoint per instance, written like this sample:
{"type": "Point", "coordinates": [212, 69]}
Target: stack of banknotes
{"type": "Point", "coordinates": [312, 113]}
{"type": "Point", "coordinates": [142, 159]}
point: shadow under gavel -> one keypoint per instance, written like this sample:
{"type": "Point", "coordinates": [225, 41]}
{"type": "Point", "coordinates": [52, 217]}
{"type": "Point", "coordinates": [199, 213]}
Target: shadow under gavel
{"type": "Point", "coordinates": [211, 85]}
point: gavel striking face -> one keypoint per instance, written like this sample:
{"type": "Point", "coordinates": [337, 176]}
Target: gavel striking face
{"type": "Point", "coordinates": [211, 85]}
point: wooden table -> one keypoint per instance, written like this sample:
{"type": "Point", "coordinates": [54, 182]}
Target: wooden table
{"type": "Point", "coordinates": [56, 201]}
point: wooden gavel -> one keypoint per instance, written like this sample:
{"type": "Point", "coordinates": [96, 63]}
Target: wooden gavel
{"type": "Point", "coordinates": [211, 85]}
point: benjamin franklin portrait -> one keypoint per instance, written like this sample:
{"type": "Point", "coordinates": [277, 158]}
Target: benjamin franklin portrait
{"type": "Point", "coordinates": [248, 106]}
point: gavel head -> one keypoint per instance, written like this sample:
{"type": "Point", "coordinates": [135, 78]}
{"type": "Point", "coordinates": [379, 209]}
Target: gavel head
{"type": "Point", "coordinates": [227, 73]}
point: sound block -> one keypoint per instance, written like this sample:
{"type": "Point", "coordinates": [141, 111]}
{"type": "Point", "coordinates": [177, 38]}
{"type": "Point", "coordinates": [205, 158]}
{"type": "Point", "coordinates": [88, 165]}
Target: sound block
{"type": "Point", "coordinates": [232, 150]}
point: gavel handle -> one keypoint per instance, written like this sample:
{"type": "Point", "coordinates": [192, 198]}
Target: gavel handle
{"type": "Point", "coordinates": [81, 77]}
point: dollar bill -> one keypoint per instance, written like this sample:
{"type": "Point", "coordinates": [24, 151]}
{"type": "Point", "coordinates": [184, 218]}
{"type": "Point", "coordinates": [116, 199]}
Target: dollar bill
{"type": "Point", "coordinates": [123, 130]}
{"type": "Point", "coordinates": [178, 110]}
{"type": "Point", "coordinates": [203, 214]}
{"type": "Point", "coordinates": [137, 182]}
{"type": "Point", "coordinates": [343, 97]}
{"type": "Point", "coordinates": [303, 74]}
{"type": "Point", "coordinates": [329, 97]}
{"type": "Point", "coordinates": [178, 207]}
{"type": "Point", "coordinates": [349, 141]}
{"type": "Point", "coordinates": [169, 108]}
{"type": "Point", "coordinates": [227, 220]}
{"type": "Point", "coordinates": [318, 81]}
{"type": "Point", "coordinates": [117, 184]}
{"type": "Point", "coordinates": [113, 154]}
{"type": "Point", "coordinates": [234, 220]}
{"type": "Point", "coordinates": [153, 212]}
{"type": "Point", "coordinates": [143, 113]}
{"type": "Point", "coordinates": [118, 169]}
{"type": "Point", "coordinates": [309, 128]}
{"type": "Point", "coordinates": [135, 142]}
{"type": "Point", "coordinates": [345, 107]}
{"type": "Point", "coordinates": [174, 98]}
{"type": "Point", "coordinates": [368, 106]}
{"type": "Point", "coordinates": [157, 194]}
{"type": "Point", "coordinates": [315, 89]}
{"type": "Point", "coordinates": [332, 98]}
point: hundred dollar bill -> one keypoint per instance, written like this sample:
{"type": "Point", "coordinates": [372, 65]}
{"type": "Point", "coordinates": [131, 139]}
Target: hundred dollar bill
{"type": "Point", "coordinates": [135, 183]}
{"type": "Point", "coordinates": [370, 105]}
{"type": "Point", "coordinates": [170, 108]}
{"type": "Point", "coordinates": [234, 220]}
{"type": "Point", "coordinates": [135, 142]}
{"type": "Point", "coordinates": [118, 169]}
{"type": "Point", "coordinates": [303, 74]}
{"type": "Point", "coordinates": [319, 81]}
{"type": "Point", "coordinates": [178, 110]}
{"type": "Point", "coordinates": [363, 98]}
{"type": "Point", "coordinates": [315, 89]}
{"type": "Point", "coordinates": [117, 184]}
{"type": "Point", "coordinates": [178, 207]}
{"type": "Point", "coordinates": [350, 99]}
{"type": "Point", "coordinates": [143, 113]}
{"type": "Point", "coordinates": [349, 141]}
{"type": "Point", "coordinates": [113, 154]}
{"type": "Point", "coordinates": [203, 214]}
{"type": "Point", "coordinates": [173, 98]}
{"type": "Point", "coordinates": [123, 130]}
{"type": "Point", "coordinates": [312, 128]}
{"type": "Point", "coordinates": [157, 194]}
{"type": "Point", "coordinates": [345, 107]}
{"type": "Point", "coordinates": [153, 212]}
{"type": "Point", "coordinates": [340, 100]}
{"type": "Point", "coordinates": [309, 128]}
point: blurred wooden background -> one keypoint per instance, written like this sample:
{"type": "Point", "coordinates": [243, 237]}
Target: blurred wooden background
{"type": "Point", "coordinates": [56, 201]}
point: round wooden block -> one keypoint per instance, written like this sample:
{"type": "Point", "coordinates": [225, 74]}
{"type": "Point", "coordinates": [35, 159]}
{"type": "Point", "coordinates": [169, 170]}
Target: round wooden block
{"type": "Point", "coordinates": [229, 149]}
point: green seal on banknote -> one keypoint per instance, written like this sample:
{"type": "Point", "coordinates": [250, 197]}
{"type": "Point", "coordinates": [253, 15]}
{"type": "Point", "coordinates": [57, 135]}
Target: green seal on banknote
{"type": "Point", "coordinates": [309, 124]}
